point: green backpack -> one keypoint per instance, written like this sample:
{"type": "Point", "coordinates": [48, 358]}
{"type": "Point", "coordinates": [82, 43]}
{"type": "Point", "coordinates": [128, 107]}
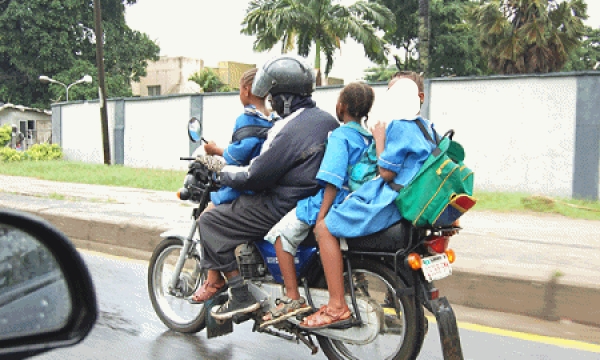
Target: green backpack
{"type": "Point", "coordinates": [442, 189]}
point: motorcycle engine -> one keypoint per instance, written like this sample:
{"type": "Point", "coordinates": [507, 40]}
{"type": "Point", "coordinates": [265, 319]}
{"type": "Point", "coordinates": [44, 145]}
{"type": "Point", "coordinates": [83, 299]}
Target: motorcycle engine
{"type": "Point", "coordinates": [250, 262]}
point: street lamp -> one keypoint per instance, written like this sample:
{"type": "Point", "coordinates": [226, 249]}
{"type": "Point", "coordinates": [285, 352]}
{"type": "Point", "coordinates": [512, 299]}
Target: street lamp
{"type": "Point", "coordinates": [85, 79]}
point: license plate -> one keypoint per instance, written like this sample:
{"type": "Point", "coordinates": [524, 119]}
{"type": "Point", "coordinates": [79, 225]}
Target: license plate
{"type": "Point", "coordinates": [436, 267]}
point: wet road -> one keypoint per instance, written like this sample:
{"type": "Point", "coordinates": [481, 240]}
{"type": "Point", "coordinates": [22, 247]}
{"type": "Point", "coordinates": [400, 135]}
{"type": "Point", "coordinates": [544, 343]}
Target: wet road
{"type": "Point", "coordinates": [128, 328]}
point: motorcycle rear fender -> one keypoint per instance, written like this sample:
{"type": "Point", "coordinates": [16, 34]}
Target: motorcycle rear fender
{"type": "Point", "coordinates": [448, 329]}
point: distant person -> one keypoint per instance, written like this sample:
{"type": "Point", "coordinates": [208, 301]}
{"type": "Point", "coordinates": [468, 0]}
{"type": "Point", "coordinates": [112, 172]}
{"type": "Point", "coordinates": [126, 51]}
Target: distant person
{"type": "Point", "coordinates": [345, 147]}
{"type": "Point", "coordinates": [249, 134]}
{"type": "Point", "coordinates": [16, 139]}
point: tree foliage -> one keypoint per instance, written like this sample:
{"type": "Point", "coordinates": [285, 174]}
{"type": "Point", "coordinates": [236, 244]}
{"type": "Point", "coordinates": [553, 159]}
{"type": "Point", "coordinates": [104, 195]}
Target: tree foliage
{"type": "Point", "coordinates": [56, 38]}
{"type": "Point", "coordinates": [587, 56]}
{"type": "Point", "coordinates": [529, 36]}
{"type": "Point", "coordinates": [453, 46]}
{"type": "Point", "coordinates": [455, 50]}
{"type": "Point", "coordinates": [324, 23]}
{"type": "Point", "coordinates": [209, 81]}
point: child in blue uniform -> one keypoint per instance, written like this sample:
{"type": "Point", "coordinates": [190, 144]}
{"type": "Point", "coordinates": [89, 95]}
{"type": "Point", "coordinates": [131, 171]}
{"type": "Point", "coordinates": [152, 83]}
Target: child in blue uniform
{"type": "Point", "coordinates": [401, 150]}
{"type": "Point", "coordinates": [249, 134]}
{"type": "Point", "coordinates": [345, 146]}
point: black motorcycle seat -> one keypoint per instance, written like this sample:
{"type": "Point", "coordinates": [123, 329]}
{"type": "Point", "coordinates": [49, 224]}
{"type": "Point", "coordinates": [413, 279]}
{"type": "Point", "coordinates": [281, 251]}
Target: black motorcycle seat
{"type": "Point", "coordinates": [389, 240]}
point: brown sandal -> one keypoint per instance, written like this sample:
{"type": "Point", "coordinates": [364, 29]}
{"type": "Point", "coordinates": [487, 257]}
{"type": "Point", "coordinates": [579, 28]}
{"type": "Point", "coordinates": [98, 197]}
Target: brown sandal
{"type": "Point", "coordinates": [285, 309]}
{"type": "Point", "coordinates": [206, 292]}
{"type": "Point", "coordinates": [325, 318]}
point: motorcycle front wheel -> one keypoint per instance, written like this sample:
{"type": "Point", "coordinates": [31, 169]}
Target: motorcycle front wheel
{"type": "Point", "coordinates": [171, 304]}
{"type": "Point", "coordinates": [401, 316]}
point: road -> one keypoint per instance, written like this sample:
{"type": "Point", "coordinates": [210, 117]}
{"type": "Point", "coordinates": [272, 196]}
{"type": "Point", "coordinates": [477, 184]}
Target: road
{"type": "Point", "coordinates": [129, 329]}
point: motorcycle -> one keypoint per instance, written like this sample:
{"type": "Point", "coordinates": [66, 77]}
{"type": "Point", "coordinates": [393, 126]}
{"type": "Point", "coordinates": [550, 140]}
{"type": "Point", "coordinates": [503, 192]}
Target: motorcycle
{"type": "Point", "coordinates": [388, 279]}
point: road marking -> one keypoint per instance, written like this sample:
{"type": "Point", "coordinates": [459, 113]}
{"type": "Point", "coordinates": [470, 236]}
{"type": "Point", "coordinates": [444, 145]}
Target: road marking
{"type": "Point", "coordinates": [549, 340]}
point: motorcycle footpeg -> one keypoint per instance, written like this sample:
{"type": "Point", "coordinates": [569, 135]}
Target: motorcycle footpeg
{"type": "Point", "coordinates": [240, 318]}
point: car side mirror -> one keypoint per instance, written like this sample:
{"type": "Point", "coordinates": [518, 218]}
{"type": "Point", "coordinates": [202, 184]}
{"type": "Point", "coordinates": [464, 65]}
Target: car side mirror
{"type": "Point", "coordinates": [47, 299]}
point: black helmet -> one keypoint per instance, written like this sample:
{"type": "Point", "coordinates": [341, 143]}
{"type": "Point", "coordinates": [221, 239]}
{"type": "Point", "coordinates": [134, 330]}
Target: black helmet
{"type": "Point", "coordinates": [284, 74]}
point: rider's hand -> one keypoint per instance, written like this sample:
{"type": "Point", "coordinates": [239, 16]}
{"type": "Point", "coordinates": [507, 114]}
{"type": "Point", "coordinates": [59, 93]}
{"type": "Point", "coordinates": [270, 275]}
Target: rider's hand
{"type": "Point", "coordinates": [211, 148]}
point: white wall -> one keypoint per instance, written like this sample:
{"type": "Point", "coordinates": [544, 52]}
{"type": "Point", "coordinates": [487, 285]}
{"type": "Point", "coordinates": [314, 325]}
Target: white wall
{"type": "Point", "coordinates": [156, 132]}
{"type": "Point", "coordinates": [218, 117]}
{"type": "Point", "coordinates": [518, 133]}
{"type": "Point", "coordinates": [81, 137]}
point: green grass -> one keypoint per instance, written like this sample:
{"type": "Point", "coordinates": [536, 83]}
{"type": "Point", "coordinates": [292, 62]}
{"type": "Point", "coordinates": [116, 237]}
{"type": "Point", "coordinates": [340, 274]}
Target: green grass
{"type": "Point", "coordinates": [171, 180]}
{"type": "Point", "coordinates": [522, 202]}
{"type": "Point", "coordinates": [99, 174]}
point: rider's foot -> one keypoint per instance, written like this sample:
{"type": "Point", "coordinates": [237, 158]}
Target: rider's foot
{"type": "Point", "coordinates": [327, 317]}
{"type": "Point", "coordinates": [240, 301]}
{"type": "Point", "coordinates": [206, 292]}
{"type": "Point", "coordinates": [286, 308]}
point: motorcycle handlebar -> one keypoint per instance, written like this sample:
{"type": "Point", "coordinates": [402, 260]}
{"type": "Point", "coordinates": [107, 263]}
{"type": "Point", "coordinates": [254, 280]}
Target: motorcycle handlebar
{"type": "Point", "coordinates": [187, 158]}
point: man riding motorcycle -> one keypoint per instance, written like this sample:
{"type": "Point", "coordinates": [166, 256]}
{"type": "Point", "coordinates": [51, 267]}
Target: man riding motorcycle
{"type": "Point", "coordinates": [281, 175]}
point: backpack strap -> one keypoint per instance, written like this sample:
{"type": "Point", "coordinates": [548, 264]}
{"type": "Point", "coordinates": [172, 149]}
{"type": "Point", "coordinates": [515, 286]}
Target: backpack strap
{"type": "Point", "coordinates": [437, 150]}
{"type": "Point", "coordinates": [250, 131]}
{"type": "Point", "coordinates": [426, 133]}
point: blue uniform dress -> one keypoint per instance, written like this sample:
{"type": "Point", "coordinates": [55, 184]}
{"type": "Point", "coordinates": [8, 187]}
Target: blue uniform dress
{"type": "Point", "coordinates": [371, 208]}
{"type": "Point", "coordinates": [345, 146]}
{"type": "Point", "coordinates": [239, 153]}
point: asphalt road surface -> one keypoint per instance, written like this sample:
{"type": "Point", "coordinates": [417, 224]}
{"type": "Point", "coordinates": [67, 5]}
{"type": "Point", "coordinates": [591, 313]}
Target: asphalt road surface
{"type": "Point", "coordinates": [128, 328]}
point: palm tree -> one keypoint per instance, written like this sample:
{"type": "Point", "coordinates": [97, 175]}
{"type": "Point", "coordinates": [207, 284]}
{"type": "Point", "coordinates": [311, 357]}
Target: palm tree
{"type": "Point", "coordinates": [529, 36]}
{"type": "Point", "coordinates": [301, 23]}
{"type": "Point", "coordinates": [424, 35]}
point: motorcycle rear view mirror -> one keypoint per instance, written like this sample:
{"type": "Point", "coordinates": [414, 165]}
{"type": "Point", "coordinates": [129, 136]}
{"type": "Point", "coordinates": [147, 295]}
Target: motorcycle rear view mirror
{"type": "Point", "coordinates": [195, 130]}
{"type": "Point", "coordinates": [47, 299]}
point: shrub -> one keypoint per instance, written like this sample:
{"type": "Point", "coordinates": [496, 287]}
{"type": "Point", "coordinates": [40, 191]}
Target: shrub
{"type": "Point", "coordinates": [9, 155]}
{"type": "Point", "coordinates": [5, 134]}
{"type": "Point", "coordinates": [44, 152]}
{"type": "Point", "coordinates": [36, 152]}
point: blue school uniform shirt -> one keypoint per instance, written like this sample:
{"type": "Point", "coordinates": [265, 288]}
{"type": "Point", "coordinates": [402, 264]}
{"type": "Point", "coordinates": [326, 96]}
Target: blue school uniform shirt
{"type": "Point", "coordinates": [371, 208]}
{"type": "Point", "coordinates": [345, 146]}
{"type": "Point", "coordinates": [239, 153]}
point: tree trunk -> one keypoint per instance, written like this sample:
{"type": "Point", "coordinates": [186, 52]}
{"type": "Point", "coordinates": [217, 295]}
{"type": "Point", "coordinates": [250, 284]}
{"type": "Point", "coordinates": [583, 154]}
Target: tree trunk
{"type": "Point", "coordinates": [318, 61]}
{"type": "Point", "coordinates": [424, 35]}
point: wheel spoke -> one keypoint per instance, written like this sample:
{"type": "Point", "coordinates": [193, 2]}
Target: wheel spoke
{"type": "Point", "coordinates": [173, 306]}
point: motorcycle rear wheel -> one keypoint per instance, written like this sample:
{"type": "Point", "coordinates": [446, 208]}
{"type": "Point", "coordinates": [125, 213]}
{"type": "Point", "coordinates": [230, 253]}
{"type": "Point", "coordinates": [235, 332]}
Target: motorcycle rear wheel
{"type": "Point", "coordinates": [398, 339]}
{"type": "Point", "coordinates": [172, 306]}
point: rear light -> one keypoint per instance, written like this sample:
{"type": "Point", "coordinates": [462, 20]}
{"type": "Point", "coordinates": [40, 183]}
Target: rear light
{"type": "Point", "coordinates": [434, 294]}
{"type": "Point", "coordinates": [414, 261]}
{"type": "Point", "coordinates": [438, 244]}
{"type": "Point", "coordinates": [451, 255]}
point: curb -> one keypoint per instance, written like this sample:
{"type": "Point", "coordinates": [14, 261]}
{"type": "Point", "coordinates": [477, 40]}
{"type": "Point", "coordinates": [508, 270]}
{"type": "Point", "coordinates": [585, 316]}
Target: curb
{"type": "Point", "coordinates": [549, 299]}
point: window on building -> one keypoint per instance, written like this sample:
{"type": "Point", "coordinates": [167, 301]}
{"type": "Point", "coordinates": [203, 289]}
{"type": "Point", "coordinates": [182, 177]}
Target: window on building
{"type": "Point", "coordinates": [27, 127]}
{"type": "Point", "coordinates": [154, 90]}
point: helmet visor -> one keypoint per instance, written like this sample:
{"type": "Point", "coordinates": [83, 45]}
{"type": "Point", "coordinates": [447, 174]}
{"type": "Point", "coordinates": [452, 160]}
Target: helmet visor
{"type": "Point", "coordinates": [263, 82]}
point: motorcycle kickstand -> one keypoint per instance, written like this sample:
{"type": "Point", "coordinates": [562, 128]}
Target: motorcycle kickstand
{"type": "Point", "coordinates": [308, 341]}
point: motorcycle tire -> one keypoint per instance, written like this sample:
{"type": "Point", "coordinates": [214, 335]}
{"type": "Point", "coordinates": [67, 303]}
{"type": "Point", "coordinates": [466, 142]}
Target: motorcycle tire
{"type": "Point", "coordinates": [401, 316]}
{"type": "Point", "coordinates": [174, 310]}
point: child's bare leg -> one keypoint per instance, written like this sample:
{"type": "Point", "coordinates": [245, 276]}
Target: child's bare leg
{"type": "Point", "coordinates": [288, 270]}
{"type": "Point", "coordinates": [331, 257]}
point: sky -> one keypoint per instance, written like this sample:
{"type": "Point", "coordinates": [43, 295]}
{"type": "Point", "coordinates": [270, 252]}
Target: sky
{"type": "Point", "coordinates": [210, 30]}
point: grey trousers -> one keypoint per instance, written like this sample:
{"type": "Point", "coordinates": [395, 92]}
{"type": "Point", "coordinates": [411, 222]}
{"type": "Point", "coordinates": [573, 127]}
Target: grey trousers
{"type": "Point", "coordinates": [226, 226]}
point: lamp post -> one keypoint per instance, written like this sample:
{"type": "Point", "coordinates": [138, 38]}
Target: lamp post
{"type": "Point", "coordinates": [85, 79]}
